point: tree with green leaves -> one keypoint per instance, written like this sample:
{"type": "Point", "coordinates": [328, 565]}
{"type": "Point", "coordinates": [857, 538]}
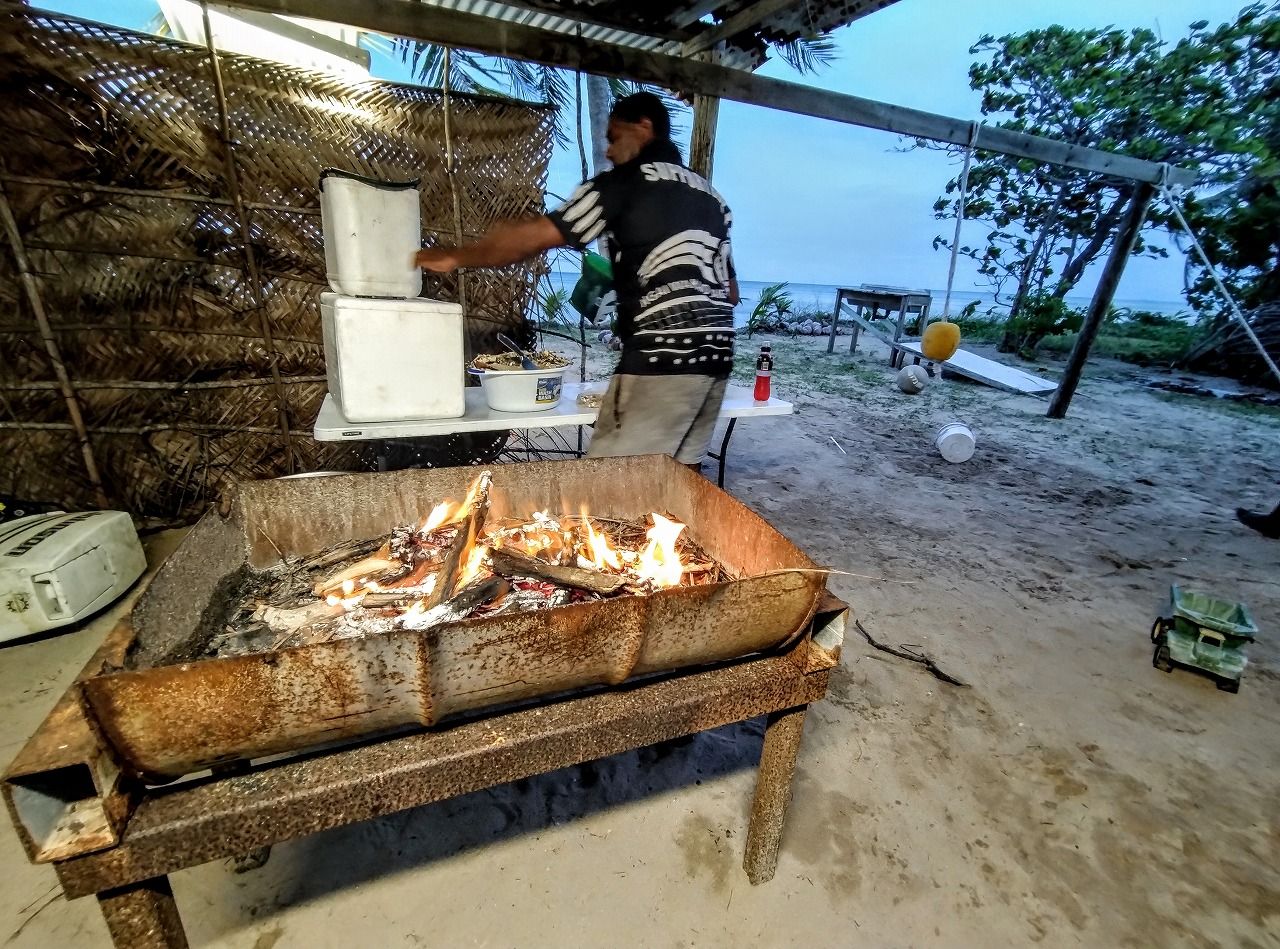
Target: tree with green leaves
{"type": "Point", "coordinates": [1201, 103]}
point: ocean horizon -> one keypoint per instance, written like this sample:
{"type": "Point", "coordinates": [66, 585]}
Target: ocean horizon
{"type": "Point", "coordinates": [822, 297]}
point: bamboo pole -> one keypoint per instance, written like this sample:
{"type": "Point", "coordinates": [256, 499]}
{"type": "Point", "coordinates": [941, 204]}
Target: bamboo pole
{"type": "Point", "coordinates": [451, 172]}
{"type": "Point", "coordinates": [250, 260]}
{"type": "Point", "coordinates": [1126, 238]}
{"type": "Point", "coordinates": [32, 292]}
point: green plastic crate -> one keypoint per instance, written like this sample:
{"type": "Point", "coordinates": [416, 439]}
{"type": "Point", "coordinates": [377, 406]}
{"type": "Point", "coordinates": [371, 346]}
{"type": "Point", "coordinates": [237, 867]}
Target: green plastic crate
{"type": "Point", "coordinates": [1192, 612]}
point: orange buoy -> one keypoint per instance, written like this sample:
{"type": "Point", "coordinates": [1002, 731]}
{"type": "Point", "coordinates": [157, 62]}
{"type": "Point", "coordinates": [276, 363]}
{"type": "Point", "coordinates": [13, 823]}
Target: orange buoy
{"type": "Point", "coordinates": [940, 341]}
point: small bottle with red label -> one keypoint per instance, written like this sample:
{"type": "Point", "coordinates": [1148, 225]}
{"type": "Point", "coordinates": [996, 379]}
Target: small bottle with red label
{"type": "Point", "coordinates": [764, 370]}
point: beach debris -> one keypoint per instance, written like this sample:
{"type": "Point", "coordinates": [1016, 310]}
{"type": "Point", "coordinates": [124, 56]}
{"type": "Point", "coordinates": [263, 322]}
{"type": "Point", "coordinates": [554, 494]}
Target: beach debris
{"type": "Point", "coordinates": [912, 379]}
{"type": "Point", "coordinates": [912, 654]}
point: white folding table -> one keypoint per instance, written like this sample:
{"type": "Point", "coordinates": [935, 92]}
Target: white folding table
{"type": "Point", "coordinates": [332, 427]}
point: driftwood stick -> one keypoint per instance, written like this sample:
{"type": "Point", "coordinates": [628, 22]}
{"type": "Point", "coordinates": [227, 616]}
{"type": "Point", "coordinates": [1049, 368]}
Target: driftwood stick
{"type": "Point", "coordinates": [367, 567]}
{"type": "Point", "coordinates": [292, 620]}
{"type": "Point", "coordinates": [910, 656]}
{"type": "Point", "coordinates": [338, 553]}
{"type": "Point", "coordinates": [509, 563]}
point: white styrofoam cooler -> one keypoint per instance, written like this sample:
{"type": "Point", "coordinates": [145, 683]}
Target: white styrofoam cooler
{"type": "Point", "coordinates": [391, 360]}
{"type": "Point", "coordinates": [371, 231]}
{"type": "Point", "coordinates": [58, 568]}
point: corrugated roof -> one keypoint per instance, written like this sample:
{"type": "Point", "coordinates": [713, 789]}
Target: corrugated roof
{"type": "Point", "coordinates": [664, 25]}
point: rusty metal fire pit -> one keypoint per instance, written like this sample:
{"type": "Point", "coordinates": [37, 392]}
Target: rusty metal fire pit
{"type": "Point", "coordinates": [164, 717]}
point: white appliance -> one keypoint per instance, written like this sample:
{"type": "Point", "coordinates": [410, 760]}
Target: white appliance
{"type": "Point", "coordinates": [371, 231]}
{"type": "Point", "coordinates": [58, 568]}
{"type": "Point", "coordinates": [391, 360]}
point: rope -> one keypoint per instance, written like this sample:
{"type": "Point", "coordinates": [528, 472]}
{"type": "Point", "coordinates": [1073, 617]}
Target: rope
{"type": "Point", "coordinates": [955, 240]}
{"type": "Point", "coordinates": [1166, 191]}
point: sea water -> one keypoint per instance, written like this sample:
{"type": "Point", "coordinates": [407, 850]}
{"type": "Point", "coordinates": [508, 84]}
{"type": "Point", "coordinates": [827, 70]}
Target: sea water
{"type": "Point", "coordinates": [809, 298]}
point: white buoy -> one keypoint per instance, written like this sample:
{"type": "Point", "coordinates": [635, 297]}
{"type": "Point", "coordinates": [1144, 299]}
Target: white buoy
{"type": "Point", "coordinates": [955, 442]}
{"type": "Point", "coordinates": [912, 379]}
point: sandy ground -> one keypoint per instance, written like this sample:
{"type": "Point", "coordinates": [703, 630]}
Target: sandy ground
{"type": "Point", "coordinates": [1072, 796]}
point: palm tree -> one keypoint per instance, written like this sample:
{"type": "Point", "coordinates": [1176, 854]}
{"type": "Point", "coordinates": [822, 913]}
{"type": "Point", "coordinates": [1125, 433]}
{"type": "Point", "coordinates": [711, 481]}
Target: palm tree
{"type": "Point", "coordinates": [495, 75]}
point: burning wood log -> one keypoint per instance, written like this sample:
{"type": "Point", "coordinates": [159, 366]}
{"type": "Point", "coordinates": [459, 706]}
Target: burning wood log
{"type": "Point", "coordinates": [474, 510]}
{"type": "Point", "coordinates": [458, 606]}
{"type": "Point", "coordinates": [378, 565]}
{"type": "Point", "coordinates": [291, 620]}
{"type": "Point", "coordinates": [338, 553]}
{"type": "Point", "coordinates": [511, 564]}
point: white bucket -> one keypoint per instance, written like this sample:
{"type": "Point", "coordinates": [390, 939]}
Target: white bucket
{"type": "Point", "coordinates": [371, 230]}
{"type": "Point", "coordinates": [955, 442]}
{"type": "Point", "coordinates": [521, 390]}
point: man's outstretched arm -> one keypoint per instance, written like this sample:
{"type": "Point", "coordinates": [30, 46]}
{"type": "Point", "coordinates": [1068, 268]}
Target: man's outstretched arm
{"type": "Point", "coordinates": [505, 243]}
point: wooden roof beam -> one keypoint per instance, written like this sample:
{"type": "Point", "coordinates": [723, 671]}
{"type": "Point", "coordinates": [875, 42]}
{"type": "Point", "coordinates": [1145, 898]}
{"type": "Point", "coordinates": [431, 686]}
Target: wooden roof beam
{"type": "Point", "coordinates": [748, 18]}
{"type": "Point", "coordinates": [486, 35]}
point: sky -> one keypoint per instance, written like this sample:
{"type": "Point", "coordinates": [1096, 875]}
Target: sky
{"type": "Point", "coordinates": [816, 201]}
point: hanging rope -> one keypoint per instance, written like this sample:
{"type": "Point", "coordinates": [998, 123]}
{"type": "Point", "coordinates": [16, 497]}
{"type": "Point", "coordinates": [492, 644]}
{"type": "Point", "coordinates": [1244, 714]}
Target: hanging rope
{"type": "Point", "coordinates": [1167, 192]}
{"type": "Point", "coordinates": [955, 240]}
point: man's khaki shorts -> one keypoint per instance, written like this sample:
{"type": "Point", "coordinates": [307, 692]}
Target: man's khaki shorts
{"type": "Point", "coordinates": [658, 415]}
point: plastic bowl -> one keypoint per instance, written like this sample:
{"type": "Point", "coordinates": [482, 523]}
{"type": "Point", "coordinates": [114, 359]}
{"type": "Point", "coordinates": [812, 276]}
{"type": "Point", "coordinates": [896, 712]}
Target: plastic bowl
{"type": "Point", "coordinates": [521, 390]}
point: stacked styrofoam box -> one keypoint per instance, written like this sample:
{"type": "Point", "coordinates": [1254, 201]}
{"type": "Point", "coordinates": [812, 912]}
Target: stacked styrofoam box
{"type": "Point", "coordinates": [389, 353]}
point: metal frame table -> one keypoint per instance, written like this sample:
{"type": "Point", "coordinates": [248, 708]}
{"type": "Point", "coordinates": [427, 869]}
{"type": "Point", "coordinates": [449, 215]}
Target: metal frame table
{"type": "Point", "coordinates": [230, 815]}
{"type": "Point", "coordinates": [330, 426]}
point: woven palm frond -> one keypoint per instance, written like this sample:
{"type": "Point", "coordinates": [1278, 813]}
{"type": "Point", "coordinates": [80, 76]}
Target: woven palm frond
{"type": "Point", "coordinates": [196, 361]}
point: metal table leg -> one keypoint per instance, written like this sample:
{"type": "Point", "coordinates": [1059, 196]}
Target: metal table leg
{"type": "Point", "coordinates": [724, 450]}
{"type": "Point", "coordinates": [773, 792]}
{"type": "Point", "coordinates": [143, 916]}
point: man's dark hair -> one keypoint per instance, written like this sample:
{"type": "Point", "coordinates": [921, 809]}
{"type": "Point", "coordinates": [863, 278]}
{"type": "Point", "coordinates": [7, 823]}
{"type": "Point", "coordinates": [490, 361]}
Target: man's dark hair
{"type": "Point", "coordinates": [644, 105]}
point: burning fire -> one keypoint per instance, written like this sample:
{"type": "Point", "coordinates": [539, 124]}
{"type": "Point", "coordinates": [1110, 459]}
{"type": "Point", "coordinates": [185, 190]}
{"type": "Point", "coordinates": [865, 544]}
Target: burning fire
{"type": "Point", "coordinates": [415, 567]}
{"type": "Point", "coordinates": [439, 516]}
{"type": "Point", "coordinates": [474, 566]}
{"type": "Point", "coordinates": [599, 553]}
{"type": "Point", "coordinates": [659, 562]}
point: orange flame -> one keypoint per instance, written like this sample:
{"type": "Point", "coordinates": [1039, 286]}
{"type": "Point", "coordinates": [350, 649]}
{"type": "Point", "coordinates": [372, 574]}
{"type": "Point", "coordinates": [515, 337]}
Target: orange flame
{"type": "Point", "coordinates": [474, 566]}
{"type": "Point", "coordinates": [659, 562]}
{"type": "Point", "coordinates": [600, 553]}
{"type": "Point", "coordinates": [440, 514]}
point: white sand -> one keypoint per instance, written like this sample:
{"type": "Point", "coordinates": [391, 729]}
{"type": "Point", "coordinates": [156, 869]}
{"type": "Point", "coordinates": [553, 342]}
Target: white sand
{"type": "Point", "coordinates": [1074, 796]}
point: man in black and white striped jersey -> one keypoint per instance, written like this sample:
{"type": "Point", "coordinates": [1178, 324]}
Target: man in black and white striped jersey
{"type": "Point", "coordinates": [667, 232]}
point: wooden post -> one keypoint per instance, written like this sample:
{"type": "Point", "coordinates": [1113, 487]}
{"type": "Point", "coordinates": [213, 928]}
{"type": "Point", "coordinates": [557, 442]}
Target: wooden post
{"type": "Point", "coordinates": [702, 141]}
{"type": "Point", "coordinates": [702, 144]}
{"type": "Point", "coordinates": [835, 323]}
{"type": "Point", "coordinates": [1126, 237]}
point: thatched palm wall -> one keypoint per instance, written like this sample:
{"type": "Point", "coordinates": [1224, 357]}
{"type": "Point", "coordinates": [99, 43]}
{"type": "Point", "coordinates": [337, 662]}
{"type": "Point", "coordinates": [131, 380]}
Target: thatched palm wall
{"type": "Point", "coordinates": [187, 355]}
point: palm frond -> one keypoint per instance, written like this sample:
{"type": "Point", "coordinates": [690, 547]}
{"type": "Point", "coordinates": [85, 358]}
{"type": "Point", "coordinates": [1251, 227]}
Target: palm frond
{"type": "Point", "coordinates": [809, 54]}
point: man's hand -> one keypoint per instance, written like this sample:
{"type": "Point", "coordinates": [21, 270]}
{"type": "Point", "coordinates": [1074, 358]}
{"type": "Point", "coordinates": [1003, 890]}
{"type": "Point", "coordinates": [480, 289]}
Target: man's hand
{"type": "Point", "coordinates": [436, 259]}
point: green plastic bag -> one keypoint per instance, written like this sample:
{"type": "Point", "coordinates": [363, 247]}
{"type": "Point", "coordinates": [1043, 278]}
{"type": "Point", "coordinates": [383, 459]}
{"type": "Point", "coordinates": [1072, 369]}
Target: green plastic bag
{"type": "Point", "coordinates": [595, 282]}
